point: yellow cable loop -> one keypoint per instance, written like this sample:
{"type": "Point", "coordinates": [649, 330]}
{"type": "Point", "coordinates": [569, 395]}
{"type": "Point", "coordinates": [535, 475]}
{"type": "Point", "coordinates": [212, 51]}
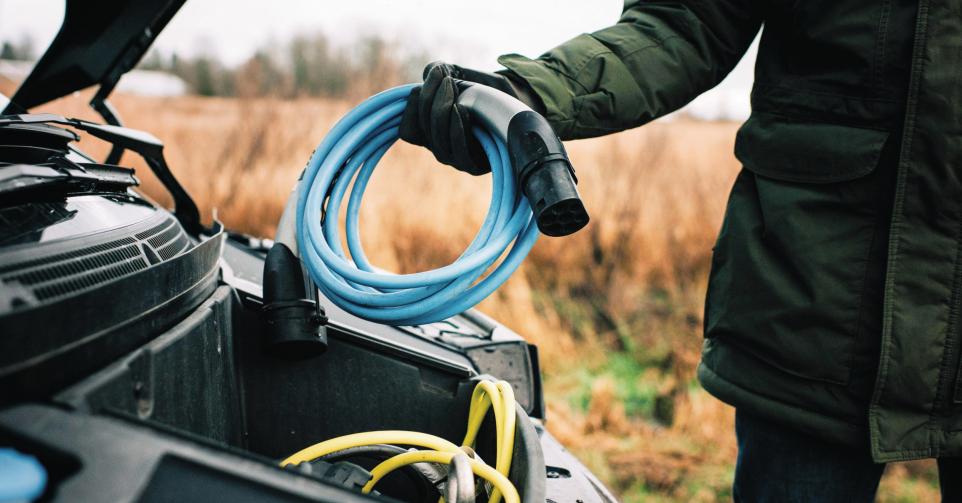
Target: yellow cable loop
{"type": "Point", "coordinates": [500, 482]}
{"type": "Point", "coordinates": [511, 419]}
{"type": "Point", "coordinates": [505, 451]}
{"type": "Point", "coordinates": [396, 437]}
{"type": "Point", "coordinates": [500, 397]}
{"type": "Point", "coordinates": [486, 394]}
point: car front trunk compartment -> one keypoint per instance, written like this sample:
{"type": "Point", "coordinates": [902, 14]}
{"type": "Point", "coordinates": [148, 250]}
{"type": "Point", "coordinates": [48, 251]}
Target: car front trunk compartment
{"type": "Point", "coordinates": [184, 383]}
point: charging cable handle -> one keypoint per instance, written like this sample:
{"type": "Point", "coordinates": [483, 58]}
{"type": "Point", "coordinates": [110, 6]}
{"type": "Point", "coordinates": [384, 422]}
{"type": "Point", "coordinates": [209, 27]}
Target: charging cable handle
{"type": "Point", "coordinates": [538, 157]}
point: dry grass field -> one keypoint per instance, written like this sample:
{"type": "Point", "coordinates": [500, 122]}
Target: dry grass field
{"type": "Point", "coordinates": [616, 310]}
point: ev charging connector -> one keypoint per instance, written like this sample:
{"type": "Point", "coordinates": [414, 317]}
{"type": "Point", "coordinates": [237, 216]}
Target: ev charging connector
{"type": "Point", "coordinates": [539, 159]}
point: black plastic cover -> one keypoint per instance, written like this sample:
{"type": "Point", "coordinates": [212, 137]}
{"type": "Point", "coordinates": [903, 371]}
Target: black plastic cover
{"type": "Point", "coordinates": [111, 459]}
{"type": "Point", "coordinates": [85, 313]}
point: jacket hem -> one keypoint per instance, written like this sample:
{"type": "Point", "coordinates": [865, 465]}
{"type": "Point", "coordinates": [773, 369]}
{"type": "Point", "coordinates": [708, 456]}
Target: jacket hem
{"type": "Point", "coordinates": [804, 420]}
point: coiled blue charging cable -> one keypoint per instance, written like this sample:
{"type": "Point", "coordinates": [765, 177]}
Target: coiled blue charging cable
{"type": "Point", "coordinates": [351, 151]}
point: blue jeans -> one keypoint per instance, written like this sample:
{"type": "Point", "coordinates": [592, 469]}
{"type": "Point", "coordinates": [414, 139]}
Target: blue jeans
{"type": "Point", "coordinates": [777, 464]}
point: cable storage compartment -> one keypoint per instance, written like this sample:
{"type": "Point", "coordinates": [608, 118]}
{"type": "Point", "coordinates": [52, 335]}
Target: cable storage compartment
{"type": "Point", "coordinates": [208, 377]}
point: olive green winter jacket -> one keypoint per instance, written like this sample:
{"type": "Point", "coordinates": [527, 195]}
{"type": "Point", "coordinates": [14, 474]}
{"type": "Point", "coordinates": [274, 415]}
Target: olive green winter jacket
{"type": "Point", "coordinates": [836, 286]}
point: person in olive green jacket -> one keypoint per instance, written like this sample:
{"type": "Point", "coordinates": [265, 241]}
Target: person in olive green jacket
{"type": "Point", "coordinates": [833, 321]}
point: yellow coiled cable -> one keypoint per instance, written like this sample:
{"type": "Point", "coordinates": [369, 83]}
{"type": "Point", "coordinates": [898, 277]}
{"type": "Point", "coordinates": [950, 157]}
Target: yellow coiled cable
{"type": "Point", "coordinates": [487, 395]}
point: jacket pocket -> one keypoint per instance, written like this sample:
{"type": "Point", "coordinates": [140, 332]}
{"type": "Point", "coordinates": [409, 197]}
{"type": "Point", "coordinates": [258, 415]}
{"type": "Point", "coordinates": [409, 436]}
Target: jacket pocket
{"type": "Point", "coordinates": [790, 264]}
{"type": "Point", "coordinates": [807, 152]}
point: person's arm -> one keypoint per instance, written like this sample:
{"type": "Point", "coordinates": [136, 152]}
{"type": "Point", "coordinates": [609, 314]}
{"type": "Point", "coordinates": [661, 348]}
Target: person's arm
{"type": "Point", "coordinates": [660, 56]}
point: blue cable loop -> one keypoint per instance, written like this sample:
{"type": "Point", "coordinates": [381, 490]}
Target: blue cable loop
{"type": "Point", "coordinates": [351, 151]}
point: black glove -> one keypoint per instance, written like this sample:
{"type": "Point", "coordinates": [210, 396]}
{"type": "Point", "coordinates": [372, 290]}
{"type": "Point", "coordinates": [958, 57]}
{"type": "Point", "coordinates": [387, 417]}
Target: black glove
{"type": "Point", "coordinates": [433, 119]}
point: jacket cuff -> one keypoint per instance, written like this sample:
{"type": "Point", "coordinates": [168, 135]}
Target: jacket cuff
{"type": "Point", "coordinates": [557, 100]}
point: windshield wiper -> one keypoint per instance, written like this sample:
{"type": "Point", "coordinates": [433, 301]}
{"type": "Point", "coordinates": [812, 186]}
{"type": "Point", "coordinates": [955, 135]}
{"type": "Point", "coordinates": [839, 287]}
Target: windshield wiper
{"type": "Point", "coordinates": [141, 142]}
{"type": "Point", "coordinates": [59, 177]}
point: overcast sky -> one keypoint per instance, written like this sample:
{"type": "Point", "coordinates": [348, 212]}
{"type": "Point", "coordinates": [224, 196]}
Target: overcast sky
{"type": "Point", "coordinates": [471, 32]}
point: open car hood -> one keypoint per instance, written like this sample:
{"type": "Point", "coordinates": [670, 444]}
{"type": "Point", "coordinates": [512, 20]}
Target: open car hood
{"type": "Point", "coordinates": [97, 43]}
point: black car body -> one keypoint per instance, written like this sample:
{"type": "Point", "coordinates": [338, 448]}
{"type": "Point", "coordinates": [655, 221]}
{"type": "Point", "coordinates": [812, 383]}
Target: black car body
{"type": "Point", "coordinates": [133, 361]}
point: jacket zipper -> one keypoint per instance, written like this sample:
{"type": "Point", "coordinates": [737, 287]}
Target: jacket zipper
{"type": "Point", "coordinates": [954, 331]}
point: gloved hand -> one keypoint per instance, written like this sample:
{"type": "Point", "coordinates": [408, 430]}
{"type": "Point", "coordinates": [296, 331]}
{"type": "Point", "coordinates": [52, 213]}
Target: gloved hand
{"type": "Point", "coordinates": [433, 119]}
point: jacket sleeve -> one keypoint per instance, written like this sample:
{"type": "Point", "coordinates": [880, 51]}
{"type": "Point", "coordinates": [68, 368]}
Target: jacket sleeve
{"type": "Point", "coordinates": [658, 57]}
